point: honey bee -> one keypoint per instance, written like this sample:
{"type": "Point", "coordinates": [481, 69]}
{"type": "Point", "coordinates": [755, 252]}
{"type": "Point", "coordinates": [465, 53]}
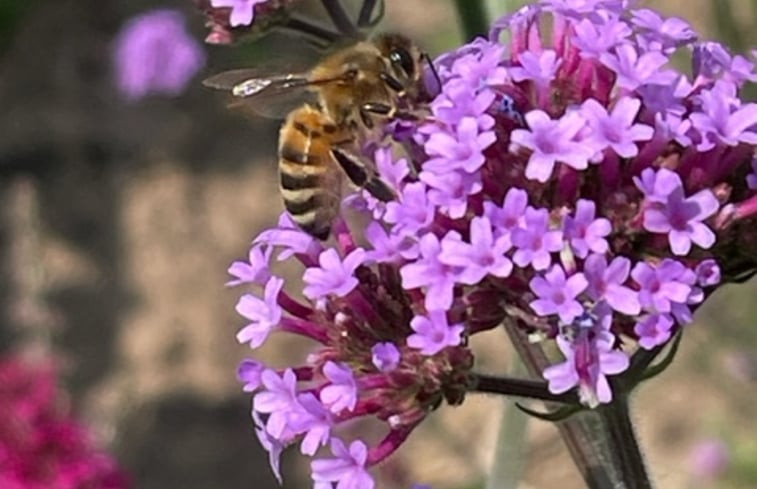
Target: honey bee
{"type": "Point", "coordinates": [321, 140]}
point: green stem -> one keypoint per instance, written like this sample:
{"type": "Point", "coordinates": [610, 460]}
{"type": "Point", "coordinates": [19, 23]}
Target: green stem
{"type": "Point", "coordinates": [725, 22]}
{"type": "Point", "coordinates": [623, 444]}
{"type": "Point", "coordinates": [473, 19]}
{"type": "Point", "coordinates": [513, 386]}
{"type": "Point", "coordinates": [510, 452]}
{"type": "Point", "coordinates": [583, 433]}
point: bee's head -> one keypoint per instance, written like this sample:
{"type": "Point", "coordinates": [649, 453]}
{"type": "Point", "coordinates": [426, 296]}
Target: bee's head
{"type": "Point", "coordinates": [404, 57]}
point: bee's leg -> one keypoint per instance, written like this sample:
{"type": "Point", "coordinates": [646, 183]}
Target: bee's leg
{"type": "Point", "coordinates": [341, 20]}
{"type": "Point", "coordinates": [359, 174]}
{"type": "Point", "coordinates": [392, 83]}
{"type": "Point", "coordinates": [387, 111]}
{"type": "Point", "coordinates": [365, 19]}
{"type": "Point", "coordinates": [365, 116]}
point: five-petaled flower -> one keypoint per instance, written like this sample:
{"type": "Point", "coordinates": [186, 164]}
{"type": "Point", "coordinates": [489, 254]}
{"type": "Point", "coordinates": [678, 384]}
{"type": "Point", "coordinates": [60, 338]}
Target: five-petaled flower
{"type": "Point", "coordinates": [678, 216]}
{"type": "Point", "coordinates": [557, 295]}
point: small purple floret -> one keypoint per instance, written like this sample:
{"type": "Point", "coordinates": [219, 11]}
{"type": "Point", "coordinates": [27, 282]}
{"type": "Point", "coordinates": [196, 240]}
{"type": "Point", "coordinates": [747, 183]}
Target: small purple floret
{"type": "Point", "coordinates": [557, 295]}
{"type": "Point", "coordinates": [433, 333]}
{"type": "Point", "coordinates": [552, 141]}
{"type": "Point", "coordinates": [385, 356]}
{"type": "Point", "coordinates": [347, 468]}
{"type": "Point", "coordinates": [483, 256]}
{"type": "Point", "coordinates": [536, 241]}
{"type": "Point", "coordinates": [584, 232]}
{"type": "Point", "coordinates": [264, 314]}
{"type": "Point", "coordinates": [242, 11]}
{"type": "Point", "coordinates": [341, 393]}
{"type": "Point", "coordinates": [678, 216]}
{"type": "Point", "coordinates": [333, 276]}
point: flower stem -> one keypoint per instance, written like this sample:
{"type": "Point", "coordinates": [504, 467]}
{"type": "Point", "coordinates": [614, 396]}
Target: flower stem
{"type": "Point", "coordinates": [510, 452]}
{"type": "Point", "coordinates": [511, 386]}
{"type": "Point", "coordinates": [472, 15]}
{"type": "Point", "coordinates": [584, 434]}
{"type": "Point", "coordinates": [340, 18]}
{"type": "Point", "coordinates": [623, 444]}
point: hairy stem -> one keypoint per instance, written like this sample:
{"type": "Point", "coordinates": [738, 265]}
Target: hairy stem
{"type": "Point", "coordinates": [619, 429]}
{"type": "Point", "coordinates": [582, 433]}
{"type": "Point", "coordinates": [510, 452]}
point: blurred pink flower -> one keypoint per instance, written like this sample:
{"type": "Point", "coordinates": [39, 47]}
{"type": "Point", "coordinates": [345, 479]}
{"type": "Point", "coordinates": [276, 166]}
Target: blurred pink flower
{"type": "Point", "coordinates": [709, 459]}
{"type": "Point", "coordinates": [154, 54]}
{"type": "Point", "coordinates": [41, 445]}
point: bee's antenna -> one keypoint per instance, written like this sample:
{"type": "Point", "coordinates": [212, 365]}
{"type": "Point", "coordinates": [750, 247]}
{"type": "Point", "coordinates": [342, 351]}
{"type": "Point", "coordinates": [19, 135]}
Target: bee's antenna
{"type": "Point", "coordinates": [340, 18]}
{"type": "Point", "coordinates": [438, 80]}
{"type": "Point", "coordinates": [366, 18]}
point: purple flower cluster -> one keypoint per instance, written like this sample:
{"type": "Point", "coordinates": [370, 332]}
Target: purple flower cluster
{"type": "Point", "coordinates": [571, 181]}
{"type": "Point", "coordinates": [383, 353]}
{"type": "Point", "coordinates": [42, 446]}
{"type": "Point", "coordinates": [229, 19]}
{"type": "Point", "coordinates": [154, 54]}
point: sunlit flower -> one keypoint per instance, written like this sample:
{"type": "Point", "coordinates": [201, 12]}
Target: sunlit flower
{"type": "Point", "coordinates": [572, 183]}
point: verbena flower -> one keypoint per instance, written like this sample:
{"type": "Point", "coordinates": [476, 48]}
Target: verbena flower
{"type": "Point", "coordinates": [230, 19]}
{"type": "Point", "coordinates": [154, 54]}
{"type": "Point", "coordinates": [242, 11]}
{"type": "Point", "coordinates": [583, 189]}
{"type": "Point", "coordinates": [43, 446]}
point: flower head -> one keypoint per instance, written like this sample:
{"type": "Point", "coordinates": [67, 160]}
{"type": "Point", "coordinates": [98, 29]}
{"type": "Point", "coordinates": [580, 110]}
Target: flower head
{"type": "Point", "coordinates": [154, 54]}
{"type": "Point", "coordinates": [572, 183]}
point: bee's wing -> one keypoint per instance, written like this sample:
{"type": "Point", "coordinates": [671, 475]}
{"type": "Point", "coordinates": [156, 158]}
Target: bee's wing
{"type": "Point", "coordinates": [269, 95]}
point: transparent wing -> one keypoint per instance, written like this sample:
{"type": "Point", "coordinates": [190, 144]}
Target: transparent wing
{"type": "Point", "coordinates": [269, 95]}
{"type": "Point", "coordinates": [273, 95]}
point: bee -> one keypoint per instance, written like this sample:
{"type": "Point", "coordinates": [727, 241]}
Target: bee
{"type": "Point", "coordinates": [321, 140]}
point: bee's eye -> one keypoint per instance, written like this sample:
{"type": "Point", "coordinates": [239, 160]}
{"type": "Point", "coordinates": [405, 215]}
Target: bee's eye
{"type": "Point", "coordinates": [401, 58]}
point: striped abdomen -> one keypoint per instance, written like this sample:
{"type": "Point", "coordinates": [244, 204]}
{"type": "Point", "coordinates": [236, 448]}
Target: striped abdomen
{"type": "Point", "coordinates": [309, 179]}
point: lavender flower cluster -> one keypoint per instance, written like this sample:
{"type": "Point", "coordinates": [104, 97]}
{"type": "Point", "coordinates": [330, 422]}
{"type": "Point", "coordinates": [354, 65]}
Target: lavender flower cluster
{"type": "Point", "coordinates": [571, 179]}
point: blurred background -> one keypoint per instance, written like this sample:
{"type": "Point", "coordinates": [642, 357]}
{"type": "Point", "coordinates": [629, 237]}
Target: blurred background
{"type": "Point", "coordinates": [120, 212]}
